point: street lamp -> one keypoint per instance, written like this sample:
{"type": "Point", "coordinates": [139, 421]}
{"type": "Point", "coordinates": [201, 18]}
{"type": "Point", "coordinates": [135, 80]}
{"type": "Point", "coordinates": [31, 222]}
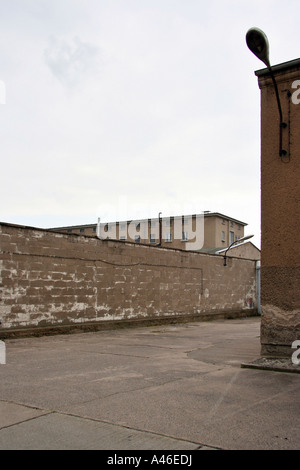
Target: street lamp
{"type": "Point", "coordinates": [233, 243]}
{"type": "Point", "coordinates": [258, 43]}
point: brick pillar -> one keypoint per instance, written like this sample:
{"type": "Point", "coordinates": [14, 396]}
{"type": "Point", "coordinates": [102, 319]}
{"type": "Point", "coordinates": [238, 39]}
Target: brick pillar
{"type": "Point", "coordinates": [280, 216]}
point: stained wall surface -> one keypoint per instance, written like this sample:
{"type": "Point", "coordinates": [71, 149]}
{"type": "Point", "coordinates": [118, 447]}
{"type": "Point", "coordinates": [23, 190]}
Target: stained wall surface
{"type": "Point", "coordinates": [50, 279]}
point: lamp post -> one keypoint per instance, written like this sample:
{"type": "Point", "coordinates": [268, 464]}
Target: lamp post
{"type": "Point", "coordinates": [233, 243]}
{"type": "Point", "coordinates": [258, 43]}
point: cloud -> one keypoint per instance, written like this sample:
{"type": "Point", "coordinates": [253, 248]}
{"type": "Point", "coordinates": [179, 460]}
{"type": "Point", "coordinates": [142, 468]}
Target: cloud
{"type": "Point", "coordinates": [71, 60]}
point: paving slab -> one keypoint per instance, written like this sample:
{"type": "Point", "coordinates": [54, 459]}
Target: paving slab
{"type": "Point", "coordinates": [12, 414]}
{"type": "Point", "coordinates": [56, 431]}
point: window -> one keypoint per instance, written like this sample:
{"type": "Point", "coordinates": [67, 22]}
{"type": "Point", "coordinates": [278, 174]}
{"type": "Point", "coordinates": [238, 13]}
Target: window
{"type": "Point", "coordinates": [122, 231]}
{"type": "Point", "coordinates": [168, 237]}
{"type": "Point", "coordinates": [152, 238]}
{"type": "Point", "coordinates": [231, 237]}
{"type": "Point", "coordinates": [184, 236]}
{"type": "Point", "coordinates": [137, 238]}
{"type": "Point", "coordinates": [223, 236]}
{"type": "Point", "coordinates": [81, 230]}
{"type": "Point", "coordinates": [231, 224]}
{"type": "Point", "coordinates": [223, 221]}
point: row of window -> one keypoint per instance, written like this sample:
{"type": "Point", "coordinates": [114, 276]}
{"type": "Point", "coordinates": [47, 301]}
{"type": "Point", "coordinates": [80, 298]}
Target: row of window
{"type": "Point", "coordinates": [137, 238]}
{"type": "Point", "coordinates": [168, 237]}
{"type": "Point", "coordinates": [232, 224]}
{"type": "Point", "coordinates": [69, 230]}
{"type": "Point", "coordinates": [167, 223]}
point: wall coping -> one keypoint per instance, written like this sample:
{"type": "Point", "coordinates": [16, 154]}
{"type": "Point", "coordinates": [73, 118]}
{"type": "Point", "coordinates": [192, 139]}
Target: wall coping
{"type": "Point", "coordinates": [283, 67]}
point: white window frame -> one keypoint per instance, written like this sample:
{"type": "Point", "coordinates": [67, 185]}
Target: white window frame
{"type": "Point", "coordinates": [185, 236]}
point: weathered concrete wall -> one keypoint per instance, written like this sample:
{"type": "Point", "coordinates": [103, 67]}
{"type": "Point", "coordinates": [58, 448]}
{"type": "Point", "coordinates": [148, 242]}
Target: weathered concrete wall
{"type": "Point", "coordinates": [51, 279]}
{"type": "Point", "coordinates": [245, 250]}
{"type": "Point", "coordinates": [280, 211]}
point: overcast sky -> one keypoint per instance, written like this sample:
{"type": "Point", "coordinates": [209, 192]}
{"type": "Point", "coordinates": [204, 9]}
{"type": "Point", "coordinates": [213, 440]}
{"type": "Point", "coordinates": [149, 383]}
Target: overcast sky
{"type": "Point", "coordinates": [122, 109]}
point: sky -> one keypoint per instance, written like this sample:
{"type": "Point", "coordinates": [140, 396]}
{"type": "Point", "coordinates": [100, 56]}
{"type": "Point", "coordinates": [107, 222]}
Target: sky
{"type": "Point", "coordinates": [121, 109]}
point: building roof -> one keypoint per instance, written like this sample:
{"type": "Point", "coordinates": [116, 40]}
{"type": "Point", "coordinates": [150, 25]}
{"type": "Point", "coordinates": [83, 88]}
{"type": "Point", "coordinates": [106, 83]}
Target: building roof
{"type": "Point", "coordinates": [72, 226]}
{"type": "Point", "coordinates": [206, 214]}
{"type": "Point", "coordinates": [222, 216]}
{"type": "Point", "coordinates": [279, 67]}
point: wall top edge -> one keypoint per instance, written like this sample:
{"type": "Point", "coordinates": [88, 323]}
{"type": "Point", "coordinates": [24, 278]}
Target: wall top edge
{"type": "Point", "coordinates": [118, 242]}
{"type": "Point", "coordinates": [283, 67]}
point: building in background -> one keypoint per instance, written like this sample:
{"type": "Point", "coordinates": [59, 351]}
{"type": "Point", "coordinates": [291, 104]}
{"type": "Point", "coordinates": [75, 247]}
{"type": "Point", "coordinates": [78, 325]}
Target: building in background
{"type": "Point", "coordinates": [207, 232]}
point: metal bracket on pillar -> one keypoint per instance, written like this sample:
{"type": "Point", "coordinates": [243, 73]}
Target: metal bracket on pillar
{"type": "Point", "coordinates": [258, 43]}
{"type": "Point", "coordinates": [282, 125]}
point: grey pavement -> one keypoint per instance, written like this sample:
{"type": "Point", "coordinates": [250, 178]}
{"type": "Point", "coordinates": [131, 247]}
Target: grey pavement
{"type": "Point", "coordinates": [167, 387]}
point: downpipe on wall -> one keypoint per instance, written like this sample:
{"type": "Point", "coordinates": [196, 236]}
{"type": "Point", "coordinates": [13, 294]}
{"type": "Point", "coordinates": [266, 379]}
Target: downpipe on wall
{"type": "Point", "coordinates": [257, 267]}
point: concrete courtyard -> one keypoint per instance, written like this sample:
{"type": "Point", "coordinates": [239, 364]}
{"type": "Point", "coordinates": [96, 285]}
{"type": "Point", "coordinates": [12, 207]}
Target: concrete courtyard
{"type": "Point", "coordinates": [167, 387]}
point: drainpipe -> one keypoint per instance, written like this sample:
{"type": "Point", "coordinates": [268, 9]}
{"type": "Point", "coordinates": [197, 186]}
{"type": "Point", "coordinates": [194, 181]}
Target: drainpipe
{"type": "Point", "coordinates": [258, 286]}
{"type": "Point", "coordinates": [160, 229]}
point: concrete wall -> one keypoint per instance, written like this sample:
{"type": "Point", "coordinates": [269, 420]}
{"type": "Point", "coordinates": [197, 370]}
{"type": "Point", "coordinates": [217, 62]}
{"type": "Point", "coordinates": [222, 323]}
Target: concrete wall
{"type": "Point", "coordinates": [280, 212]}
{"type": "Point", "coordinates": [51, 279]}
